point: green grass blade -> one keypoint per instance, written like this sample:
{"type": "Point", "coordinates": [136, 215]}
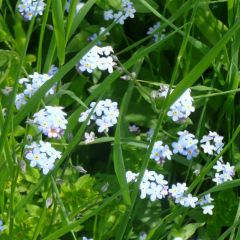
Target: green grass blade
{"type": "Point", "coordinates": [117, 149]}
{"type": "Point", "coordinates": [81, 15]}
{"type": "Point", "coordinates": [58, 28]}
{"type": "Point", "coordinates": [44, 23]}
{"type": "Point", "coordinates": [71, 16]}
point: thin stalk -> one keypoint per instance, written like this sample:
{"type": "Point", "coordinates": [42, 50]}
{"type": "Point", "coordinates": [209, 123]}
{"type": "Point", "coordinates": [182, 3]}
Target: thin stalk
{"type": "Point", "coordinates": [62, 207]}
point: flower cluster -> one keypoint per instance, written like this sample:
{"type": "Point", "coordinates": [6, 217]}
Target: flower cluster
{"type": "Point", "coordinates": [127, 11]}
{"type": "Point", "coordinates": [42, 155]}
{"type": "Point", "coordinates": [30, 8]}
{"type": "Point", "coordinates": [78, 6]}
{"type": "Point", "coordinates": [51, 121]}
{"type": "Point", "coordinates": [160, 153]}
{"type": "Point", "coordinates": [224, 173]}
{"type": "Point", "coordinates": [157, 36]}
{"type": "Point", "coordinates": [97, 57]}
{"type": "Point", "coordinates": [205, 202]}
{"type": "Point", "coordinates": [186, 145]}
{"type": "Point", "coordinates": [212, 143]}
{"type": "Point", "coordinates": [178, 193]}
{"type": "Point", "coordinates": [182, 108]}
{"type": "Point", "coordinates": [104, 113]}
{"type": "Point", "coordinates": [31, 85]}
{"type": "Point", "coordinates": [152, 185]}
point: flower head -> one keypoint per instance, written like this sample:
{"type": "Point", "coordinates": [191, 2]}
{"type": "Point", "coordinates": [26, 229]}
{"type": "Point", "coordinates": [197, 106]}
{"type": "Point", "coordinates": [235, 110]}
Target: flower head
{"type": "Point", "coordinates": [32, 84]}
{"type": "Point", "coordinates": [42, 155]}
{"type": "Point", "coordinates": [31, 8]}
{"type": "Point", "coordinates": [126, 12]}
{"type": "Point", "coordinates": [51, 121]}
{"type": "Point", "coordinates": [160, 152]}
{"type": "Point", "coordinates": [105, 114]}
{"type": "Point", "coordinates": [186, 145]}
{"type": "Point", "coordinates": [97, 57]}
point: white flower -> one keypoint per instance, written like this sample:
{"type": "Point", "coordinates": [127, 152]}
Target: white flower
{"type": "Point", "coordinates": [155, 191]}
{"type": "Point", "coordinates": [130, 176]}
{"type": "Point", "coordinates": [89, 137]}
{"type": "Point", "coordinates": [83, 117]}
{"type": "Point", "coordinates": [225, 172]}
{"type": "Point", "coordinates": [178, 190]}
{"type": "Point", "coordinates": [31, 85]}
{"type": "Point", "coordinates": [42, 155]}
{"type": "Point", "coordinates": [20, 100]}
{"type": "Point", "coordinates": [178, 193]}
{"type": "Point", "coordinates": [129, 11]}
{"type": "Point", "coordinates": [208, 209]}
{"type": "Point", "coordinates": [190, 201]}
{"type": "Point", "coordinates": [182, 108]}
{"type": "Point", "coordinates": [108, 15]}
{"type": "Point", "coordinates": [152, 184]}
{"type": "Point", "coordinates": [97, 57]}
{"type": "Point", "coordinates": [175, 113]}
{"type": "Point", "coordinates": [212, 143]}
{"type": "Point", "coordinates": [208, 148]}
{"type": "Point", "coordinates": [103, 125]}
{"type": "Point", "coordinates": [148, 176]}
{"type": "Point", "coordinates": [51, 121]}
{"type": "Point", "coordinates": [133, 128]}
{"type": "Point", "coordinates": [160, 153]}
{"type": "Point", "coordinates": [144, 186]}
{"type": "Point", "coordinates": [105, 114]}
{"type": "Point", "coordinates": [186, 145]}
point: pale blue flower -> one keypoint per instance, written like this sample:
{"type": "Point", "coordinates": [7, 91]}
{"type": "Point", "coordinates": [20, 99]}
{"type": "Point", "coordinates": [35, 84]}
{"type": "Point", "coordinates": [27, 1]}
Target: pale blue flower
{"type": "Point", "coordinates": [1, 226]}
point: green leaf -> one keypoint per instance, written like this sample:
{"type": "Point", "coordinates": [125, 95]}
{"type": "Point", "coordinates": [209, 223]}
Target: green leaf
{"type": "Point", "coordinates": [140, 8]}
{"type": "Point", "coordinates": [187, 231]}
{"type": "Point", "coordinates": [224, 186]}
